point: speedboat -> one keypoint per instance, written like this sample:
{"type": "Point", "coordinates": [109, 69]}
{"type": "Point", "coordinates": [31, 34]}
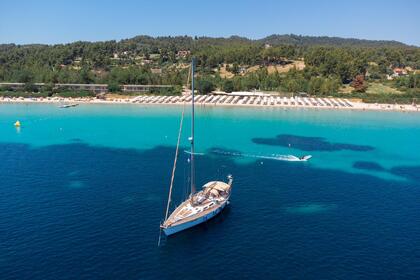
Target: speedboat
{"type": "Point", "coordinates": [305, 158]}
{"type": "Point", "coordinates": [295, 158]}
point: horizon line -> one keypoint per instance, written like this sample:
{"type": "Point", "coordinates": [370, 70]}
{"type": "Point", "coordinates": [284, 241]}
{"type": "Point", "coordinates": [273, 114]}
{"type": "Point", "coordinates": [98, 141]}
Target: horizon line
{"type": "Point", "coordinates": [207, 36]}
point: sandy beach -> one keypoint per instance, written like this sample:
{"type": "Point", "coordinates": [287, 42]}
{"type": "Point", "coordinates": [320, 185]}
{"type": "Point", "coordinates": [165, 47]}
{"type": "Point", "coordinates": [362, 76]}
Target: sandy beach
{"type": "Point", "coordinates": [227, 100]}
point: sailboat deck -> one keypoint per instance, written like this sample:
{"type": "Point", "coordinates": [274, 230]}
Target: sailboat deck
{"type": "Point", "coordinates": [186, 212]}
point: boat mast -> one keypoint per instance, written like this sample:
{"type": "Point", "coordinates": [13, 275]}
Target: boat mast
{"type": "Point", "coordinates": [192, 129]}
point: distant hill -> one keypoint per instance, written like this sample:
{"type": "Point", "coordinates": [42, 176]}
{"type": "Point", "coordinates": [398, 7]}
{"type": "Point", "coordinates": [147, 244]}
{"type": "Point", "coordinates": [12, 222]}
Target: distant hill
{"type": "Point", "coordinates": [275, 40]}
{"type": "Point", "coordinates": [300, 40]}
{"type": "Point", "coordinates": [318, 64]}
{"type": "Point", "coordinates": [161, 60]}
{"type": "Point", "coordinates": [187, 42]}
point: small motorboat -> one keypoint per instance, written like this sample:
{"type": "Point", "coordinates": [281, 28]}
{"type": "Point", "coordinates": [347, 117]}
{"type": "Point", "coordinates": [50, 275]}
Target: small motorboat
{"type": "Point", "coordinates": [68, 105]}
{"type": "Point", "coordinates": [295, 158]}
{"type": "Point", "coordinates": [305, 158]}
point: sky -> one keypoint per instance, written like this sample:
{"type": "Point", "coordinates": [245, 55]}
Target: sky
{"type": "Point", "coordinates": [59, 21]}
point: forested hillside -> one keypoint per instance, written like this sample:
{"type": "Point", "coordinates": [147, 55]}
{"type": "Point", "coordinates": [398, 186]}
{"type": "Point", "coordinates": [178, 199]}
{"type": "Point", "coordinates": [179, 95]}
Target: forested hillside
{"type": "Point", "coordinates": [327, 41]}
{"type": "Point", "coordinates": [230, 64]}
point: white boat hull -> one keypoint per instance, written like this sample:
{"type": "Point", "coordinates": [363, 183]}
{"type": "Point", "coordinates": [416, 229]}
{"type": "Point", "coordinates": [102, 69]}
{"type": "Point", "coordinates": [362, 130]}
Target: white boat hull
{"type": "Point", "coordinates": [174, 229]}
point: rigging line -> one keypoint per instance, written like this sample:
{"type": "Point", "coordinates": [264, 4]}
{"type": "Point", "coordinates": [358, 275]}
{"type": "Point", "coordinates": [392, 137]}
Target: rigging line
{"type": "Point", "coordinates": [174, 167]}
{"type": "Point", "coordinates": [176, 158]}
{"type": "Point", "coordinates": [173, 170]}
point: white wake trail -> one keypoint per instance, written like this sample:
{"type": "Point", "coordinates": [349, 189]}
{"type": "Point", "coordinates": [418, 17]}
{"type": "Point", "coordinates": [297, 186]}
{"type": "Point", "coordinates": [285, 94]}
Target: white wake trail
{"type": "Point", "coordinates": [272, 157]}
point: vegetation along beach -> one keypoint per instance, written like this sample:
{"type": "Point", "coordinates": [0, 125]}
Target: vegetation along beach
{"type": "Point", "coordinates": [277, 66]}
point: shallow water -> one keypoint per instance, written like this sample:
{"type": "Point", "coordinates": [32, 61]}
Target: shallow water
{"type": "Point", "coordinates": [83, 191]}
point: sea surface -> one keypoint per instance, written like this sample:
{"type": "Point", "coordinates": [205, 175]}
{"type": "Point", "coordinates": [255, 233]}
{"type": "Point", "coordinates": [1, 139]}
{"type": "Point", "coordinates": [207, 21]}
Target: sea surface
{"type": "Point", "coordinates": [83, 191]}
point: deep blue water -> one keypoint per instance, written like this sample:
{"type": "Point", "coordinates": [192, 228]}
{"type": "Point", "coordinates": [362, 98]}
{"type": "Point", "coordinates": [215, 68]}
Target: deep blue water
{"type": "Point", "coordinates": [82, 193]}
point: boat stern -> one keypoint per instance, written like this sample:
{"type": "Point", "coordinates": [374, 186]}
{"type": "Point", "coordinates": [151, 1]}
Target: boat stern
{"type": "Point", "coordinates": [230, 179]}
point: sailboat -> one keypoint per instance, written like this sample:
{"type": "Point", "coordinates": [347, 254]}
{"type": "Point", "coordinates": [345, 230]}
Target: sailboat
{"type": "Point", "coordinates": [201, 205]}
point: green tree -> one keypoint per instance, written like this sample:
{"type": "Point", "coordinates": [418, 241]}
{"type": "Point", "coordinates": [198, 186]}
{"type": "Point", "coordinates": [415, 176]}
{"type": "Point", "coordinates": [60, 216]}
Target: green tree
{"type": "Point", "coordinates": [48, 88]}
{"type": "Point", "coordinates": [235, 68]}
{"type": "Point", "coordinates": [314, 85]}
{"type": "Point", "coordinates": [24, 76]}
{"type": "Point", "coordinates": [114, 87]}
{"type": "Point", "coordinates": [228, 86]}
{"type": "Point", "coordinates": [85, 76]}
{"type": "Point", "coordinates": [205, 86]}
{"type": "Point", "coordinates": [293, 86]}
{"type": "Point", "coordinates": [30, 87]}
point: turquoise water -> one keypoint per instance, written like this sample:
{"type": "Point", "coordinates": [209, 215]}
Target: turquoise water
{"type": "Point", "coordinates": [83, 191]}
{"type": "Point", "coordinates": [394, 136]}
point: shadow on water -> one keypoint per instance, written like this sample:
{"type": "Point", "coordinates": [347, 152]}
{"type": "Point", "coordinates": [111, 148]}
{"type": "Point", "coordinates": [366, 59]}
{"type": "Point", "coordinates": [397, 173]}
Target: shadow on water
{"type": "Point", "coordinates": [368, 165]}
{"type": "Point", "coordinates": [408, 172]}
{"type": "Point", "coordinates": [94, 212]}
{"type": "Point", "coordinates": [305, 143]}
{"type": "Point", "coordinates": [311, 208]}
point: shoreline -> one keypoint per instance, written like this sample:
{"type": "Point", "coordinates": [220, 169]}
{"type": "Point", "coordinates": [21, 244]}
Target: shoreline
{"type": "Point", "coordinates": [228, 101]}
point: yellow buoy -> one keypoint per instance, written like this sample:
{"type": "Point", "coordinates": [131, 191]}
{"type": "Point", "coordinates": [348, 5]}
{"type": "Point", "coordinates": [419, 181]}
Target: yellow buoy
{"type": "Point", "coordinates": [17, 123]}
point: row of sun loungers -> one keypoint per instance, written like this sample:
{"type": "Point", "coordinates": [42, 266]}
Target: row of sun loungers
{"type": "Point", "coordinates": [246, 100]}
{"type": "Point", "coordinates": [229, 100]}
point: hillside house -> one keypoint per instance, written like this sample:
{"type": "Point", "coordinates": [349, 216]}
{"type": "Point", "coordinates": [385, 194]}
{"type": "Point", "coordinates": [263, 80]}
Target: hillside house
{"type": "Point", "coordinates": [183, 53]}
{"type": "Point", "coordinates": [397, 72]}
{"type": "Point", "coordinates": [156, 70]}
